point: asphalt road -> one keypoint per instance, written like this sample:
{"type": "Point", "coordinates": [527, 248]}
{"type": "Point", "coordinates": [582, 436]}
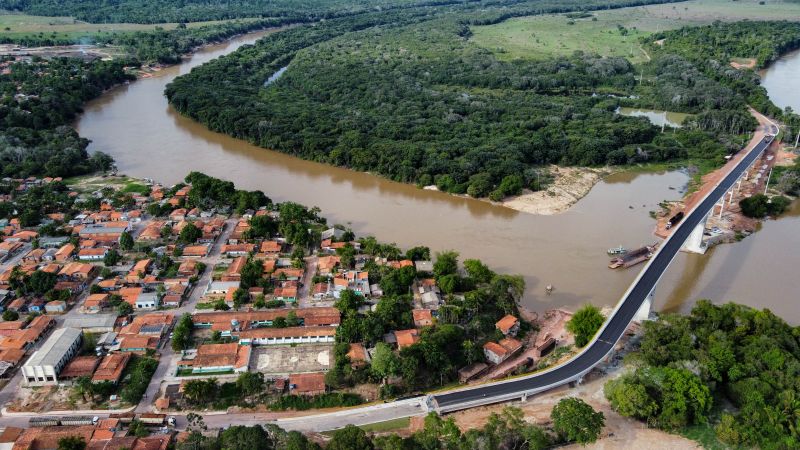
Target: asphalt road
{"type": "Point", "coordinates": [614, 328]}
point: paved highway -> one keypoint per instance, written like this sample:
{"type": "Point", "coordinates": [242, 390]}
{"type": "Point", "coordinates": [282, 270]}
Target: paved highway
{"type": "Point", "coordinates": [617, 323]}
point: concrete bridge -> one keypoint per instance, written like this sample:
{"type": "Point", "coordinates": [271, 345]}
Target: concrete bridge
{"type": "Point", "coordinates": [634, 305]}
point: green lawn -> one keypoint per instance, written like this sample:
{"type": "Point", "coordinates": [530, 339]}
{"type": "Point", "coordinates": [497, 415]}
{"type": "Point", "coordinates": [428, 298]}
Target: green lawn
{"type": "Point", "coordinates": [617, 32]}
{"type": "Point", "coordinates": [380, 427]}
{"type": "Point", "coordinates": [20, 25]}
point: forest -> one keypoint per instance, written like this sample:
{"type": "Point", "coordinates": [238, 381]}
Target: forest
{"type": "Point", "coordinates": [414, 100]}
{"type": "Point", "coordinates": [728, 366]}
{"type": "Point", "coordinates": [38, 101]}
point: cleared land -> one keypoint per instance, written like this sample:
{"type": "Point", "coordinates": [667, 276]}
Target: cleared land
{"type": "Point", "coordinates": [21, 25]}
{"type": "Point", "coordinates": [617, 32]}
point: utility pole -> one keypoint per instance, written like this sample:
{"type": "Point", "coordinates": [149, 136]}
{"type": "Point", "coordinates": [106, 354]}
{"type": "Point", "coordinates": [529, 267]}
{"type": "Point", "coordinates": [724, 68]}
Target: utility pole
{"type": "Point", "coordinates": [796, 141]}
{"type": "Point", "coordinates": [766, 186]}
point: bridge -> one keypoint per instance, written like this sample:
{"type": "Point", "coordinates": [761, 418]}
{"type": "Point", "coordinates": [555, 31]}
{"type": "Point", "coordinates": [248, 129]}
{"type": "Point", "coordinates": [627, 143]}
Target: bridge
{"type": "Point", "coordinates": [634, 305]}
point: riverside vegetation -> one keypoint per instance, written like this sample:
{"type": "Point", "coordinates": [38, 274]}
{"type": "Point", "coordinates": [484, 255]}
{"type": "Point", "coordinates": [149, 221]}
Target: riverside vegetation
{"type": "Point", "coordinates": [728, 367]}
{"type": "Point", "coordinates": [409, 96]}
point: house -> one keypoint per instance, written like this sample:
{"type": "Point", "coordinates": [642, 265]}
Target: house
{"type": "Point", "coordinates": [320, 291]}
{"type": "Point", "coordinates": [92, 254]}
{"type": "Point", "coordinates": [430, 300]}
{"type": "Point", "coordinates": [424, 266]}
{"type": "Point", "coordinates": [271, 247]}
{"type": "Point", "coordinates": [508, 325]}
{"type": "Point", "coordinates": [234, 250]}
{"type": "Point", "coordinates": [422, 317]}
{"type": "Point", "coordinates": [64, 253]}
{"type": "Point", "coordinates": [287, 294]}
{"type": "Point", "coordinates": [152, 324]}
{"type": "Point", "coordinates": [136, 343]}
{"type": "Point", "coordinates": [307, 383]}
{"type": "Point", "coordinates": [406, 338]}
{"type": "Point", "coordinates": [78, 271]}
{"type": "Point", "coordinates": [357, 355]}
{"type": "Point", "coordinates": [196, 251]}
{"type": "Point", "coordinates": [94, 303]}
{"type": "Point", "coordinates": [178, 215]}
{"type": "Point", "coordinates": [220, 287]}
{"type": "Point", "coordinates": [327, 264]}
{"type": "Point", "coordinates": [497, 352]}
{"type": "Point", "coordinates": [138, 271]}
{"type": "Point", "coordinates": [46, 363]}
{"type": "Point", "coordinates": [288, 274]}
{"type": "Point", "coordinates": [187, 268]}
{"type": "Point", "coordinates": [55, 307]}
{"type": "Point", "coordinates": [234, 270]}
{"type": "Point", "coordinates": [111, 368]}
{"type": "Point", "coordinates": [147, 300]}
{"type": "Point", "coordinates": [230, 357]}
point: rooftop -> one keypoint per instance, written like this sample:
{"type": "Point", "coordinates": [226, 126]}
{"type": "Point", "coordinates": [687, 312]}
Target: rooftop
{"type": "Point", "coordinates": [55, 347]}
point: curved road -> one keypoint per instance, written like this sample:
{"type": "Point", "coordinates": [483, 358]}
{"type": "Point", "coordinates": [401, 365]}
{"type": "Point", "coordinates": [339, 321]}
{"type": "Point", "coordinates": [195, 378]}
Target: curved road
{"type": "Point", "coordinates": [620, 318]}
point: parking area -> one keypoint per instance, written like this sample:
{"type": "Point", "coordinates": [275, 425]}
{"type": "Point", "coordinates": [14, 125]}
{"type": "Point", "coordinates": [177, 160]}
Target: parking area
{"type": "Point", "coordinates": [286, 359]}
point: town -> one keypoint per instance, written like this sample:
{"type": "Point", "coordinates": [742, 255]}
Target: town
{"type": "Point", "coordinates": [144, 302]}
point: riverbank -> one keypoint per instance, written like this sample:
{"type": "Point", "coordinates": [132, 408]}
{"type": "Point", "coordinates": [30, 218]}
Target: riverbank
{"type": "Point", "coordinates": [569, 185]}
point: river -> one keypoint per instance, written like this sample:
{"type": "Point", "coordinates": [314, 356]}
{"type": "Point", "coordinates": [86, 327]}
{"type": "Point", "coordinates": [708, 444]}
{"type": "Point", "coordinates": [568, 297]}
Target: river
{"type": "Point", "coordinates": [135, 125]}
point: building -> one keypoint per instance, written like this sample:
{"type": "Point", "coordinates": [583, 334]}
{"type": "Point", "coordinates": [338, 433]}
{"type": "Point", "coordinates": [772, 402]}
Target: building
{"type": "Point", "coordinates": [92, 254]}
{"type": "Point", "coordinates": [147, 300]}
{"type": "Point", "coordinates": [219, 358]}
{"type": "Point", "coordinates": [111, 368]}
{"type": "Point", "coordinates": [80, 366]}
{"type": "Point", "coordinates": [91, 323]}
{"type": "Point", "coordinates": [508, 325]}
{"type": "Point", "coordinates": [45, 365]}
{"type": "Point", "coordinates": [55, 307]}
{"type": "Point", "coordinates": [497, 352]}
{"type": "Point", "coordinates": [422, 317]}
{"type": "Point", "coordinates": [289, 335]}
{"type": "Point", "coordinates": [406, 338]}
{"type": "Point", "coordinates": [307, 383]}
{"type": "Point", "coordinates": [327, 316]}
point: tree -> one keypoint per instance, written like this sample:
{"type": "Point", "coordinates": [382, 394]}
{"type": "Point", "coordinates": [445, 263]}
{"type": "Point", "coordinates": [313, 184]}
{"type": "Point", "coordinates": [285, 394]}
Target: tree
{"type": "Point", "coordinates": [250, 383]}
{"type": "Point", "coordinates": [350, 437]}
{"type": "Point", "coordinates": [630, 398]}
{"type": "Point", "coordinates": [419, 253]}
{"type": "Point", "coordinates": [576, 421]}
{"type": "Point", "coordinates": [385, 362]}
{"type": "Point", "coordinates": [71, 443]}
{"type": "Point", "coordinates": [126, 241]}
{"type": "Point", "coordinates": [446, 264]}
{"type": "Point", "coordinates": [9, 315]}
{"type": "Point", "coordinates": [182, 333]}
{"type": "Point", "coordinates": [478, 271]}
{"type": "Point", "coordinates": [111, 258]}
{"type": "Point", "coordinates": [138, 429]}
{"type": "Point", "coordinates": [252, 272]}
{"type": "Point", "coordinates": [585, 323]}
{"type": "Point", "coordinates": [199, 392]}
{"type": "Point", "coordinates": [124, 309]}
{"type": "Point", "coordinates": [189, 234]}
{"type": "Point", "coordinates": [240, 437]}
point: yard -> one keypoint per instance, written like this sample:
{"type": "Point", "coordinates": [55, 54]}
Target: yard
{"type": "Point", "coordinates": [617, 32]}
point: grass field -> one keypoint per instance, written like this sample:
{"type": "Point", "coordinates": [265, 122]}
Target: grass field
{"type": "Point", "coordinates": [20, 25]}
{"type": "Point", "coordinates": [381, 427]}
{"type": "Point", "coordinates": [617, 32]}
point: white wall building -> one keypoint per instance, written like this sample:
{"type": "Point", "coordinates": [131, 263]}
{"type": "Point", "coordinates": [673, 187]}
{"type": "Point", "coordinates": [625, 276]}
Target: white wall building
{"type": "Point", "coordinates": [45, 365]}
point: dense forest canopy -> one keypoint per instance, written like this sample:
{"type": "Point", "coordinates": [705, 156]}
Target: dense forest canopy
{"type": "Point", "coordinates": [408, 96]}
{"type": "Point", "coordinates": [735, 363]}
{"type": "Point", "coordinates": [38, 99]}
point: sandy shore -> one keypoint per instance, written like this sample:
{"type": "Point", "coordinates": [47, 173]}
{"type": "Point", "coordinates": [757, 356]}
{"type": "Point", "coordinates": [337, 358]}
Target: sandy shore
{"type": "Point", "coordinates": [570, 184]}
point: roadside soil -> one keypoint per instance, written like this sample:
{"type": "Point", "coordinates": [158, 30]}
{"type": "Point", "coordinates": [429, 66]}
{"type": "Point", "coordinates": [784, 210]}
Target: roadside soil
{"type": "Point", "coordinates": [570, 184]}
{"type": "Point", "coordinates": [748, 63]}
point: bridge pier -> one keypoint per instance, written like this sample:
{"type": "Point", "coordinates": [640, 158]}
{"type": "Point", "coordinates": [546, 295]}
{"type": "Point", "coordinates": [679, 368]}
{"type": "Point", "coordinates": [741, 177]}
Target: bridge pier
{"type": "Point", "coordinates": [694, 243]}
{"type": "Point", "coordinates": [644, 311]}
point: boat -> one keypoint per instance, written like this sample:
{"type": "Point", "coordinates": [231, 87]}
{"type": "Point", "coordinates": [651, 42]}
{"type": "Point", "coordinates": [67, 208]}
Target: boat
{"type": "Point", "coordinates": [633, 257]}
{"type": "Point", "coordinates": [617, 250]}
{"type": "Point", "coordinates": [549, 288]}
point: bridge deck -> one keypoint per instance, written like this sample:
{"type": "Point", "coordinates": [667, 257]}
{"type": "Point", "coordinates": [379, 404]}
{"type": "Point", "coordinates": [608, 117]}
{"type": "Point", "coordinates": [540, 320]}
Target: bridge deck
{"type": "Point", "coordinates": [617, 323]}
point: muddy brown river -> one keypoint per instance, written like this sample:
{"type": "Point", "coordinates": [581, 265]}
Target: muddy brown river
{"type": "Point", "coordinates": [135, 125]}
